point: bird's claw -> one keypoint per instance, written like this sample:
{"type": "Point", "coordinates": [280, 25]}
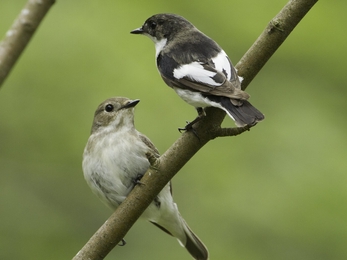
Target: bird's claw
{"type": "Point", "coordinates": [189, 127]}
{"type": "Point", "coordinates": [122, 242]}
{"type": "Point", "coordinates": [137, 181]}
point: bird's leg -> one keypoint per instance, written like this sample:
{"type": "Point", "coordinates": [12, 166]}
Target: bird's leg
{"type": "Point", "coordinates": [189, 126]}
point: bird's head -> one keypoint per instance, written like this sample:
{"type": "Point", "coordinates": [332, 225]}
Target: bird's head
{"type": "Point", "coordinates": [163, 26]}
{"type": "Point", "coordinates": [114, 113]}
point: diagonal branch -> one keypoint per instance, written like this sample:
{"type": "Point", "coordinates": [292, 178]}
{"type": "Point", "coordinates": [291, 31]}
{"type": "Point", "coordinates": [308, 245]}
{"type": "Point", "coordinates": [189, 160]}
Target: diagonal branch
{"type": "Point", "coordinates": [271, 38]}
{"type": "Point", "coordinates": [164, 168]}
{"type": "Point", "coordinates": [19, 35]}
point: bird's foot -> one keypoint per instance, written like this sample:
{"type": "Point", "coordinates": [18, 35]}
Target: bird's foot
{"type": "Point", "coordinates": [189, 127]}
{"type": "Point", "coordinates": [137, 181]}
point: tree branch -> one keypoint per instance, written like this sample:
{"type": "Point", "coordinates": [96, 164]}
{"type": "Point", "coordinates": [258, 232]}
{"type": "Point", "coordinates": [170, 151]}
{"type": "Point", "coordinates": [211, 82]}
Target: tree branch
{"type": "Point", "coordinates": [115, 228]}
{"type": "Point", "coordinates": [20, 33]}
{"type": "Point", "coordinates": [271, 38]}
{"type": "Point", "coordinates": [233, 131]}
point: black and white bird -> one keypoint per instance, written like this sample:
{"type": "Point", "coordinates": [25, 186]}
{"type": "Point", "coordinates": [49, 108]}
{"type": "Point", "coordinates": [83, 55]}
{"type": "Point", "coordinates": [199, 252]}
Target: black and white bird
{"type": "Point", "coordinates": [197, 68]}
{"type": "Point", "coordinates": [114, 160]}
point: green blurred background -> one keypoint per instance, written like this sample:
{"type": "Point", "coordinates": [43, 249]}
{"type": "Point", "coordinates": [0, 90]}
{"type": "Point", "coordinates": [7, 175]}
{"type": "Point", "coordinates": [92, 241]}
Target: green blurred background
{"type": "Point", "coordinates": [276, 192]}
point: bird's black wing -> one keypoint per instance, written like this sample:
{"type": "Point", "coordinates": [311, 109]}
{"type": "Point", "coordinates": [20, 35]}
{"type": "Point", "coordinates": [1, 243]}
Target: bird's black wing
{"type": "Point", "coordinates": [202, 76]}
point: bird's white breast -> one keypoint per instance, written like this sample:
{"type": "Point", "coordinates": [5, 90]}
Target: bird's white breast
{"type": "Point", "coordinates": [112, 163]}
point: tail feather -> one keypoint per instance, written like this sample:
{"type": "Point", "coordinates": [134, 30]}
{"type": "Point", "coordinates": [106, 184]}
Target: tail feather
{"type": "Point", "coordinates": [165, 215]}
{"type": "Point", "coordinates": [243, 114]}
{"type": "Point", "coordinates": [194, 245]}
{"type": "Point", "coordinates": [189, 241]}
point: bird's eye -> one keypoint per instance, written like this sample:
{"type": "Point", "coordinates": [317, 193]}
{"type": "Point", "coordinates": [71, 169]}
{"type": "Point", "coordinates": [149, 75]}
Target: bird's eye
{"type": "Point", "coordinates": [152, 24]}
{"type": "Point", "coordinates": [109, 108]}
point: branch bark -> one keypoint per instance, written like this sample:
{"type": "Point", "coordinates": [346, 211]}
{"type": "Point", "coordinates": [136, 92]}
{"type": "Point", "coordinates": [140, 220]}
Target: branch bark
{"type": "Point", "coordinates": [164, 168]}
{"type": "Point", "coordinates": [19, 35]}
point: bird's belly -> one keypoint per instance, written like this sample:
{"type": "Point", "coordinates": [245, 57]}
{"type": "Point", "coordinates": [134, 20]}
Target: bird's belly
{"type": "Point", "coordinates": [112, 171]}
{"type": "Point", "coordinates": [193, 98]}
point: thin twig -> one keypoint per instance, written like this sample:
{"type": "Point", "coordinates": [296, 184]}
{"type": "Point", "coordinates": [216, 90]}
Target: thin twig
{"type": "Point", "coordinates": [20, 33]}
{"type": "Point", "coordinates": [271, 39]}
{"type": "Point", "coordinates": [232, 131]}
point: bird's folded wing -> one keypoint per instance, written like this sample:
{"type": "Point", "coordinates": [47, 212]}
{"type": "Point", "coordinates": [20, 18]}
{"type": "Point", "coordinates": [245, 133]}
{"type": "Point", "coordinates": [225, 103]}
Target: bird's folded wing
{"type": "Point", "coordinates": [153, 150]}
{"type": "Point", "coordinates": [202, 77]}
{"type": "Point", "coordinates": [150, 145]}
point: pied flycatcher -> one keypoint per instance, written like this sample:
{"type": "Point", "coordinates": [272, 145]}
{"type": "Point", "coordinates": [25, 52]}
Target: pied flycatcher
{"type": "Point", "coordinates": [197, 68]}
{"type": "Point", "coordinates": [114, 160]}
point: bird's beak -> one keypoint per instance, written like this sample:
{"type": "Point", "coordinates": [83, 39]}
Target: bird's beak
{"type": "Point", "coordinates": [132, 103]}
{"type": "Point", "coordinates": [138, 31]}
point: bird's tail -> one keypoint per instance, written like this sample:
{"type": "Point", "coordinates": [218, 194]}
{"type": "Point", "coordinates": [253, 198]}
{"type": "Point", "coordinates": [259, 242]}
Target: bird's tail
{"type": "Point", "coordinates": [243, 113]}
{"type": "Point", "coordinates": [193, 244]}
{"type": "Point", "coordinates": [187, 239]}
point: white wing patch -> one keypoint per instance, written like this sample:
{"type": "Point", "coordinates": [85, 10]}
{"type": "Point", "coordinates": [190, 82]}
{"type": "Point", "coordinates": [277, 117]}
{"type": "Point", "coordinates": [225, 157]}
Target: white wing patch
{"type": "Point", "coordinates": [196, 72]}
{"type": "Point", "coordinates": [222, 64]}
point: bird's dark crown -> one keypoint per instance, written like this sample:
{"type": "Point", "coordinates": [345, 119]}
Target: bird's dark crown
{"type": "Point", "coordinates": [165, 25]}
